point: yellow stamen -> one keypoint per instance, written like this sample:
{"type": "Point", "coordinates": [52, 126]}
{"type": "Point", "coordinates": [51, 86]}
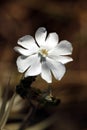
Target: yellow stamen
{"type": "Point", "coordinates": [44, 52]}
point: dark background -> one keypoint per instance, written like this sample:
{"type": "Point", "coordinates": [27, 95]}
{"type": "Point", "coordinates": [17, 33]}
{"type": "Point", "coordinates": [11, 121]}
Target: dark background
{"type": "Point", "coordinates": [69, 19]}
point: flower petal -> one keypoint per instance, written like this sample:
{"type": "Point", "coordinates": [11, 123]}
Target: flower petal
{"type": "Point", "coordinates": [45, 73]}
{"type": "Point", "coordinates": [24, 63]}
{"type": "Point", "coordinates": [61, 59]}
{"type": "Point", "coordinates": [57, 68]}
{"type": "Point", "coordinates": [52, 40]}
{"type": "Point", "coordinates": [64, 59]}
{"type": "Point", "coordinates": [63, 48]}
{"type": "Point", "coordinates": [35, 68]}
{"type": "Point", "coordinates": [22, 51]}
{"type": "Point", "coordinates": [40, 36]}
{"type": "Point", "coordinates": [27, 42]}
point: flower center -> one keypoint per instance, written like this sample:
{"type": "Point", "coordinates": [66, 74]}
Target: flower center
{"type": "Point", "coordinates": [43, 52]}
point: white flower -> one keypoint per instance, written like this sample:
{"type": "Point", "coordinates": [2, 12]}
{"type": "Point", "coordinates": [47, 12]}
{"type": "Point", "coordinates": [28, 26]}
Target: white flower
{"type": "Point", "coordinates": [43, 55]}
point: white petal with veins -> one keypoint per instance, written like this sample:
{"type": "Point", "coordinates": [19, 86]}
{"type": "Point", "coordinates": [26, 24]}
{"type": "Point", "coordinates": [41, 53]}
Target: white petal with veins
{"type": "Point", "coordinates": [45, 73]}
{"type": "Point", "coordinates": [61, 59]}
{"type": "Point", "coordinates": [22, 51]}
{"type": "Point", "coordinates": [63, 48]}
{"type": "Point", "coordinates": [24, 63]}
{"type": "Point", "coordinates": [35, 68]}
{"type": "Point", "coordinates": [40, 36]}
{"type": "Point", "coordinates": [52, 40]}
{"type": "Point", "coordinates": [57, 68]}
{"type": "Point", "coordinates": [26, 42]}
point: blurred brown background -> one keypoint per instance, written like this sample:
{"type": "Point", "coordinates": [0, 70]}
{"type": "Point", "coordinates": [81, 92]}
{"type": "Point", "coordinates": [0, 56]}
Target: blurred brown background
{"type": "Point", "coordinates": [69, 19]}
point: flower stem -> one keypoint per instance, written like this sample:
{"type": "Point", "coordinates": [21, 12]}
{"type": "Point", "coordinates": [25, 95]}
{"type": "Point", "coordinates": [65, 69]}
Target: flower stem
{"type": "Point", "coordinates": [28, 118]}
{"type": "Point", "coordinates": [6, 114]}
{"type": "Point", "coordinates": [3, 106]}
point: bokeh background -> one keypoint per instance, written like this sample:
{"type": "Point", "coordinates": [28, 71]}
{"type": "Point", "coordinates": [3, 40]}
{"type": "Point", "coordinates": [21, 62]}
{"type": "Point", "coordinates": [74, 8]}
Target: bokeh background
{"type": "Point", "coordinates": [69, 19]}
